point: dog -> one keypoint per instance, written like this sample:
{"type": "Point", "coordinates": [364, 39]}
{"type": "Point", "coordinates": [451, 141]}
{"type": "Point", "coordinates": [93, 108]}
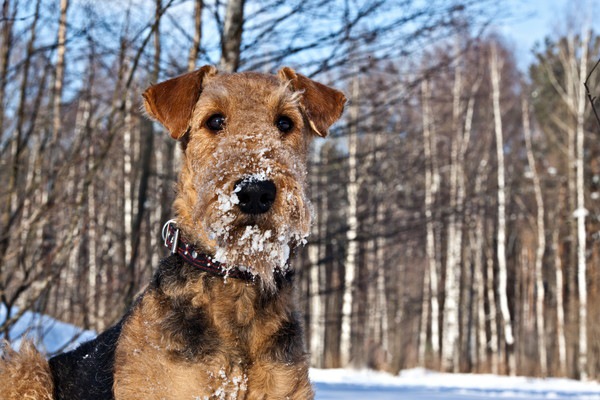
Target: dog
{"type": "Point", "coordinates": [218, 319]}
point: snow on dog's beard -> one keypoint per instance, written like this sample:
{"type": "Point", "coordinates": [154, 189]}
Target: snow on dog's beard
{"type": "Point", "coordinates": [259, 243]}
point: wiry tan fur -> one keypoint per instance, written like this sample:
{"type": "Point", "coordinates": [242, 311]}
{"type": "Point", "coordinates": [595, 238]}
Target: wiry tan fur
{"type": "Point", "coordinates": [242, 368]}
{"type": "Point", "coordinates": [24, 375]}
{"type": "Point", "coordinates": [191, 334]}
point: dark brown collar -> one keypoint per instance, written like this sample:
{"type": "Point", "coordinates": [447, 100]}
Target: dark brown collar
{"type": "Point", "coordinates": [175, 242]}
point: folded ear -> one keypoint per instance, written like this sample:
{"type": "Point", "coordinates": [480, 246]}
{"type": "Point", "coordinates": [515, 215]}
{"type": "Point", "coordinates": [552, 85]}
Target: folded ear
{"type": "Point", "coordinates": [323, 105]}
{"type": "Point", "coordinates": [171, 102]}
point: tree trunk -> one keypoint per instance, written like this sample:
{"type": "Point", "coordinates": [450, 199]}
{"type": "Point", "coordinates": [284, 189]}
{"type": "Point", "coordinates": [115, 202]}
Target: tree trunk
{"type": "Point", "coordinates": [195, 48]}
{"type": "Point", "coordinates": [431, 280]}
{"type": "Point", "coordinates": [351, 259]}
{"type": "Point", "coordinates": [581, 211]}
{"type": "Point", "coordinates": [60, 70]}
{"type": "Point", "coordinates": [92, 298]}
{"type": "Point", "coordinates": [450, 340]}
{"type": "Point", "coordinates": [317, 323]}
{"type": "Point", "coordinates": [332, 269]}
{"type": "Point", "coordinates": [382, 313]}
{"type": "Point", "coordinates": [377, 342]}
{"type": "Point", "coordinates": [478, 242]}
{"type": "Point", "coordinates": [501, 238]}
{"type": "Point", "coordinates": [128, 206]}
{"type": "Point", "coordinates": [146, 144]}
{"type": "Point", "coordinates": [6, 47]}
{"type": "Point", "coordinates": [560, 304]}
{"type": "Point", "coordinates": [232, 36]}
{"type": "Point", "coordinates": [570, 242]}
{"type": "Point", "coordinates": [540, 293]}
{"type": "Point", "coordinates": [466, 319]}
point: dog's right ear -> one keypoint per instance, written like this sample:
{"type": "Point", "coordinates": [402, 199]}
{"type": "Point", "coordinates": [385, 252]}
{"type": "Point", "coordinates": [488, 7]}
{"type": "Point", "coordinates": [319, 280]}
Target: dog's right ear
{"type": "Point", "coordinates": [171, 102]}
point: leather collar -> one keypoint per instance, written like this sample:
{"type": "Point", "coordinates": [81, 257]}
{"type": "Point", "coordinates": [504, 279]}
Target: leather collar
{"type": "Point", "coordinates": [176, 243]}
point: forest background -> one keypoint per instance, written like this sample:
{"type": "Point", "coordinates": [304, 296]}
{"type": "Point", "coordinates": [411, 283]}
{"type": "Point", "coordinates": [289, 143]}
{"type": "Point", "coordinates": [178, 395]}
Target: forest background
{"type": "Point", "coordinates": [457, 203]}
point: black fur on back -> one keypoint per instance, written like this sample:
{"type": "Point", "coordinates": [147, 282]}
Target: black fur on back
{"type": "Point", "coordinates": [86, 373]}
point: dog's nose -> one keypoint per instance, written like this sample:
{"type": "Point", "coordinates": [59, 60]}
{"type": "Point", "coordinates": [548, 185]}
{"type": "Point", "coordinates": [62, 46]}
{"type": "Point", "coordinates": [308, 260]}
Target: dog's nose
{"type": "Point", "coordinates": [255, 197]}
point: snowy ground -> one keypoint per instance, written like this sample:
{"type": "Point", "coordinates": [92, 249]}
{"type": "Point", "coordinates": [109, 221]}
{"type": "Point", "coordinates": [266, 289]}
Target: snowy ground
{"type": "Point", "coordinates": [58, 336]}
{"type": "Point", "coordinates": [415, 384]}
{"type": "Point", "coordinates": [422, 384]}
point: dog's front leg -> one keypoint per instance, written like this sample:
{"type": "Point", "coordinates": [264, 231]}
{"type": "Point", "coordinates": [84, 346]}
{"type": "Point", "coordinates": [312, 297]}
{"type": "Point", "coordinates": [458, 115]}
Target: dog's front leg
{"type": "Point", "coordinates": [269, 381]}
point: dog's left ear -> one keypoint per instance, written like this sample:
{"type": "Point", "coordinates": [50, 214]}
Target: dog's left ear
{"type": "Point", "coordinates": [172, 102]}
{"type": "Point", "coordinates": [323, 105]}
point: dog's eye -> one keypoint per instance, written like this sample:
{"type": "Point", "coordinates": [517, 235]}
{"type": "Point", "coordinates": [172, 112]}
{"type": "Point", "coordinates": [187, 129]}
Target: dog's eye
{"type": "Point", "coordinates": [215, 122]}
{"type": "Point", "coordinates": [284, 124]}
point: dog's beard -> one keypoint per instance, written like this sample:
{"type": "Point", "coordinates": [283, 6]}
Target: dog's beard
{"type": "Point", "coordinates": [259, 244]}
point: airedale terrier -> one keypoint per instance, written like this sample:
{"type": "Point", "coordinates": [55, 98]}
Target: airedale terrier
{"type": "Point", "coordinates": [218, 320]}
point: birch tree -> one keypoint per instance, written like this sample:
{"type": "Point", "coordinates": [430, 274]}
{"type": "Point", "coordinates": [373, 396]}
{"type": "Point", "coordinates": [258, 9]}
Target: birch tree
{"type": "Point", "coordinates": [540, 293]}
{"type": "Point", "coordinates": [450, 343]}
{"type": "Point", "coordinates": [350, 264]}
{"type": "Point", "coordinates": [432, 180]}
{"type": "Point", "coordinates": [378, 337]}
{"type": "Point", "coordinates": [465, 139]}
{"type": "Point", "coordinates": [495, 66]}
{"type": "Point", "coordinates": [146, 146]}
{"type": "Point", "coordinates": [317, 323]}
{"type": "Point", "coordinates": [477, 237]}
{"type": "Point", "coordinates": [57, 98]}
{"type": "Point", "coordinates": [581, 211]}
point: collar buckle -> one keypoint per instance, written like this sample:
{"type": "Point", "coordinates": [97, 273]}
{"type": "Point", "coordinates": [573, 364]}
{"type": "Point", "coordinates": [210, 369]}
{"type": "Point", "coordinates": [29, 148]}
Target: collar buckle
{"type": "Point", "coordinates": [170, 235]}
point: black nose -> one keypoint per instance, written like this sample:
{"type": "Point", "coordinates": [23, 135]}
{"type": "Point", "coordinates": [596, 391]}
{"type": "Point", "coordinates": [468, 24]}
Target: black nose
{"type": "Point", "coordinates": [256, 197]}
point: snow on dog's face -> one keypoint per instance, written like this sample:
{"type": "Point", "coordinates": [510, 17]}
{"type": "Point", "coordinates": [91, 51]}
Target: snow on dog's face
{"type": "Point", "coordinates": [241, 194]}
{"type": "Point", "coordinates": [259, 240]}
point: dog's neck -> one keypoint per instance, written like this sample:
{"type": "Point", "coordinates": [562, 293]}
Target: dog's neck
{"type": "Point", "coordinates": [176, 242]}
{"type": "Point", "coordinates": [194, 314]}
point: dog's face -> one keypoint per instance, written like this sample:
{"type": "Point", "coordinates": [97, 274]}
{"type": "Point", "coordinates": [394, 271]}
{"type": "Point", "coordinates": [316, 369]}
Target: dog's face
{"type": "Point", "coordinates": [241, 194]}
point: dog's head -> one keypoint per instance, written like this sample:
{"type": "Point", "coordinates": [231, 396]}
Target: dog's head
{"type": "Point", "coordinates": [245, 136]}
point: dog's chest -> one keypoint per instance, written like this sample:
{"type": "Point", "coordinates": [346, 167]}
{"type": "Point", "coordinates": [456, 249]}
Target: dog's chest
{"type": "Point", "coordinates": [163, 354]}
{"type": "Point", "coordinates": [168, 380]}
{"type": "Point", "coordinates": [212, 381]}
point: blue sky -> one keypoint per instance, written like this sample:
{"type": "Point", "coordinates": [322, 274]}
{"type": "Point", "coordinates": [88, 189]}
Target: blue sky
{"type": "Point", "coordinates": [533, 20]}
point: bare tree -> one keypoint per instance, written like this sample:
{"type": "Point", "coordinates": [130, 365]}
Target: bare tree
{"type": "Point", "coordinates": [541, 241]}
{"type": "Point", "coordinates": [316, 309]}
{"type": "Point", "coordinates": [351, 234]}
{"type": "Point", "coordinates": [432, 181]}
{"type": "Point", "coordinates": [581, 211]}
{"type": "Point", "coordinates": [501, 239]}
{"type": "Point", "coordinates": [450, 343]}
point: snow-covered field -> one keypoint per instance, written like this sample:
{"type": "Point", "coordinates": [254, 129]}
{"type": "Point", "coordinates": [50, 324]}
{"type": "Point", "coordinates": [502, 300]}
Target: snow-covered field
{"type": "Point", "coordinates": [57, 335]}
{"type": "Point", "coordinates": [422, 384]}
{"type": "Point", "coordinates": [415, 384]}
